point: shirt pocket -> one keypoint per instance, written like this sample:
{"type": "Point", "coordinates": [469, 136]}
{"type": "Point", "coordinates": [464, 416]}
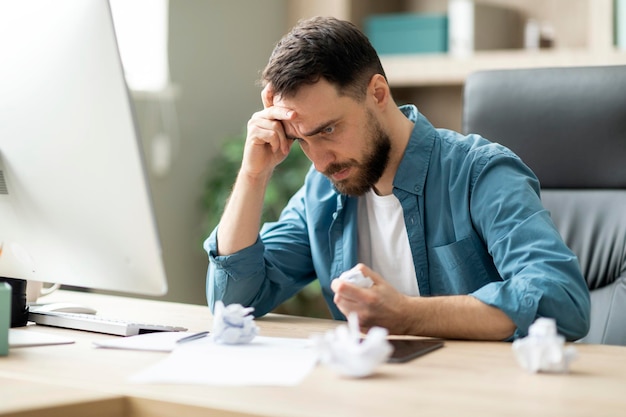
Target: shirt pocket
{"type": "Point", "coordinates": [460, 267]}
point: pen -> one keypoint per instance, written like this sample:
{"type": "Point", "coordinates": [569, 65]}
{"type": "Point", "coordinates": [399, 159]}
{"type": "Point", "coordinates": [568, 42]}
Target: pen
{"type": "Point", "coordinates": [192, 337]}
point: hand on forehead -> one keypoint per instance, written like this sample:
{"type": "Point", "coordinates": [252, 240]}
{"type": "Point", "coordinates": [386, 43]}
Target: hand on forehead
{"type": "Point", "coordinates": [267, 95]}
{"type": "Point", "coordinates": [270, 99]}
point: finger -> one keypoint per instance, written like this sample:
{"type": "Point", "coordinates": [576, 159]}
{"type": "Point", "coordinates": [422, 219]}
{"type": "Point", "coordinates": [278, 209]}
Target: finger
{"type": "Point", "coordinates": [267, 136]}
{"type": "Point", "coordinates": [278, 113]}
{"type": "Point", "coordinates": [283, 115]}
{"type": "Point", "coordinates": [272, 131]}
{"type": "Point", "coordinates": [368, 272]}
{"type": "Point", "coordinates": [346, 306]}
{"type": "Point", "coordinates": [267, 96]}
{"type": "Point", "coordinates": [349, 307]}
{"type": "Point", "coordinates": [348, 291]}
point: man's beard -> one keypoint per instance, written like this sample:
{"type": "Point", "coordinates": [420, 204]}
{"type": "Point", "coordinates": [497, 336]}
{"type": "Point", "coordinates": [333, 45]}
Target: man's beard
{"type": "Point", "coordinates": [368, 172]}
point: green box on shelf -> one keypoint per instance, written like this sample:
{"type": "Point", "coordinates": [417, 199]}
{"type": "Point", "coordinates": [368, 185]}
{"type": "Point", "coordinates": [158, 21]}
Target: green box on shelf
{"type": "Point", "coordinates": [408, 33]}
{"type": "Point", "coordinates": [5, 317]}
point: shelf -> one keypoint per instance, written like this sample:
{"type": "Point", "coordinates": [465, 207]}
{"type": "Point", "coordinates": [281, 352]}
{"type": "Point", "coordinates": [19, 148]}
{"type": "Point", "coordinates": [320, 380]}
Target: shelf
{"type": "Point", "coordinates": [443, 70]}
{"type": "Point", "coordinates": [584, 37]}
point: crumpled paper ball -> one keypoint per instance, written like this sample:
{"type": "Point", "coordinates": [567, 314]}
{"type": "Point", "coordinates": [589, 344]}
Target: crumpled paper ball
{"type": "Point", "coordinates": [356, 277]}
{"type": "Point", "coordinates": [543, 350]}
{"type": "Point", "coordinates": [343, 351]}
{"type": "Point", "coordinates": [233, 324]}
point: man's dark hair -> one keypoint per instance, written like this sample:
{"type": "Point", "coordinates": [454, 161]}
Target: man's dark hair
{"type": "Point", "coordinates": [323, 47]}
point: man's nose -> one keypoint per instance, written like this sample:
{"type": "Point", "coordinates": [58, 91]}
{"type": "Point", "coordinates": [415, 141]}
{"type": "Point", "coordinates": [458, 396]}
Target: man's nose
{"type": "Point", "coordinates": [321, 157]}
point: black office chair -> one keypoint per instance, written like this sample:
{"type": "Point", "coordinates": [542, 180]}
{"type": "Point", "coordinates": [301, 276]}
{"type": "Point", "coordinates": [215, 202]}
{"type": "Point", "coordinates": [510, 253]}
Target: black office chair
{"type": "Point", "coordinates": [569, 126]}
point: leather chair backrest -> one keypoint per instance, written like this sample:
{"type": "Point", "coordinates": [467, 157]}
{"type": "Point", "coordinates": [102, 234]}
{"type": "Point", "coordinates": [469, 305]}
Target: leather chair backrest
{"type": "Point", "coordinates": [569, 126]}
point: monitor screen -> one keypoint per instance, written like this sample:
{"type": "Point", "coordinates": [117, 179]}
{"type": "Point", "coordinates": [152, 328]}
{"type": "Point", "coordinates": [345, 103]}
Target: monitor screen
{"type": "Point", "coordinates": [75, 206]}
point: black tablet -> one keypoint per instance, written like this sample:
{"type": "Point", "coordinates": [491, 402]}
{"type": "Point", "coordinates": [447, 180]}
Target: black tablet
{"type": "Point", "coordinates": [406, 349]}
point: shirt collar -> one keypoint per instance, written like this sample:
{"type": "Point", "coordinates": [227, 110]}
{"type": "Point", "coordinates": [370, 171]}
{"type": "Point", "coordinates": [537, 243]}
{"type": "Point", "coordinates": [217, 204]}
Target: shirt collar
{"type": "Point", "coordinates": [413, 168]}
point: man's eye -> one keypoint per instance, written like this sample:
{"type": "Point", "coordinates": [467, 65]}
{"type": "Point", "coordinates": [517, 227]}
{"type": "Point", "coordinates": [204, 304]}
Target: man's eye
{"type": "Point", "coordinates": [328, 130]}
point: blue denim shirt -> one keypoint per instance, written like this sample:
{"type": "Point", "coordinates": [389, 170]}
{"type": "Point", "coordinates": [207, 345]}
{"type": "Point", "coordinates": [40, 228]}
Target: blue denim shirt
{"type": "Point", "coordinates": [475, 224]}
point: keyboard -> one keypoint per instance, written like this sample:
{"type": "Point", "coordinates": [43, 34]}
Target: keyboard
{"type": "Point", "coordinates": [98, 324]}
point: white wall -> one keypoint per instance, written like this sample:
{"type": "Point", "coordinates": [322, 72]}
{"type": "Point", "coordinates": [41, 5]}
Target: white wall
{"type": "Point", "coordinates": [217, 50]}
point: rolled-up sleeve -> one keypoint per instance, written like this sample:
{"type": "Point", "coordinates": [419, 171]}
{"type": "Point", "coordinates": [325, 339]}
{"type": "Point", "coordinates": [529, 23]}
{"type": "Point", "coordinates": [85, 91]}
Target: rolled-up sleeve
{"type": "Point", "coordinates": [267, 273]}
{"type": "Point", "coordinates": [233, 278]}
{"type": "Point", "coordinates": [541, 276]}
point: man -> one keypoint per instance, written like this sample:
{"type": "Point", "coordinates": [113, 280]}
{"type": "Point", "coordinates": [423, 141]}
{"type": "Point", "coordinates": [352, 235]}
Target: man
{"type": "Point", "coordinates": [450, 228]}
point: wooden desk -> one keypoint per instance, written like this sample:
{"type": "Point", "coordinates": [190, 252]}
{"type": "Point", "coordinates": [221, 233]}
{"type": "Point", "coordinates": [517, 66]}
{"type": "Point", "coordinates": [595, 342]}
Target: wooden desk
{"type": "Point", "coordinates": [463, 378]}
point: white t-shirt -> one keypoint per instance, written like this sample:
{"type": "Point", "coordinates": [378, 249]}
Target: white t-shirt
{"type": "Point", "coordinates": [384, 243]}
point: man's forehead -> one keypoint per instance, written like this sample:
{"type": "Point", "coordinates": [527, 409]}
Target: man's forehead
{"type": "Point", "coordinates": [315, 106]}
{"type": "Point", "coordinates": [308, 115]}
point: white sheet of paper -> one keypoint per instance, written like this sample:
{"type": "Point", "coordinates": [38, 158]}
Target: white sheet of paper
{"type": "Point", "coordinates": [158, 341]}
{"type": "Point", "coordinates": [28, 338]}
{"type": "Point", "coordinates": [264, 361]}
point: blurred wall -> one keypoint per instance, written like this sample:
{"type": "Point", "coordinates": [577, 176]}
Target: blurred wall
{"type": "Point", "coordinates": [217, 49]}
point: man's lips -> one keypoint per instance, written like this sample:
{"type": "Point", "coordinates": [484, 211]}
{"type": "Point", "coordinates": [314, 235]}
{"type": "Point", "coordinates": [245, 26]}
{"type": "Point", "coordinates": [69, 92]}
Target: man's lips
{"type": "Point", "coordinates": [341, 175]}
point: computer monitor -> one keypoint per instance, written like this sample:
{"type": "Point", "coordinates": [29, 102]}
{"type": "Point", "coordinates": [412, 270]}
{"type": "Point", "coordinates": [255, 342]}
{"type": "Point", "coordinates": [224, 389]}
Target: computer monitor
{"type": "Point", "coordinates": [75, 206]}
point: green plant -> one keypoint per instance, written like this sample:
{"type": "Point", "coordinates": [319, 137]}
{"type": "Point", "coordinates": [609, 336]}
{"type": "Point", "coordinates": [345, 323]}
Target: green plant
{"type": "Point", "coordinates": [288, 177]}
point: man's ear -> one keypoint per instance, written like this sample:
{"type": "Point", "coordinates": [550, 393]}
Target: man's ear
{"type": "Point", "coordinates": [378, 89]}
